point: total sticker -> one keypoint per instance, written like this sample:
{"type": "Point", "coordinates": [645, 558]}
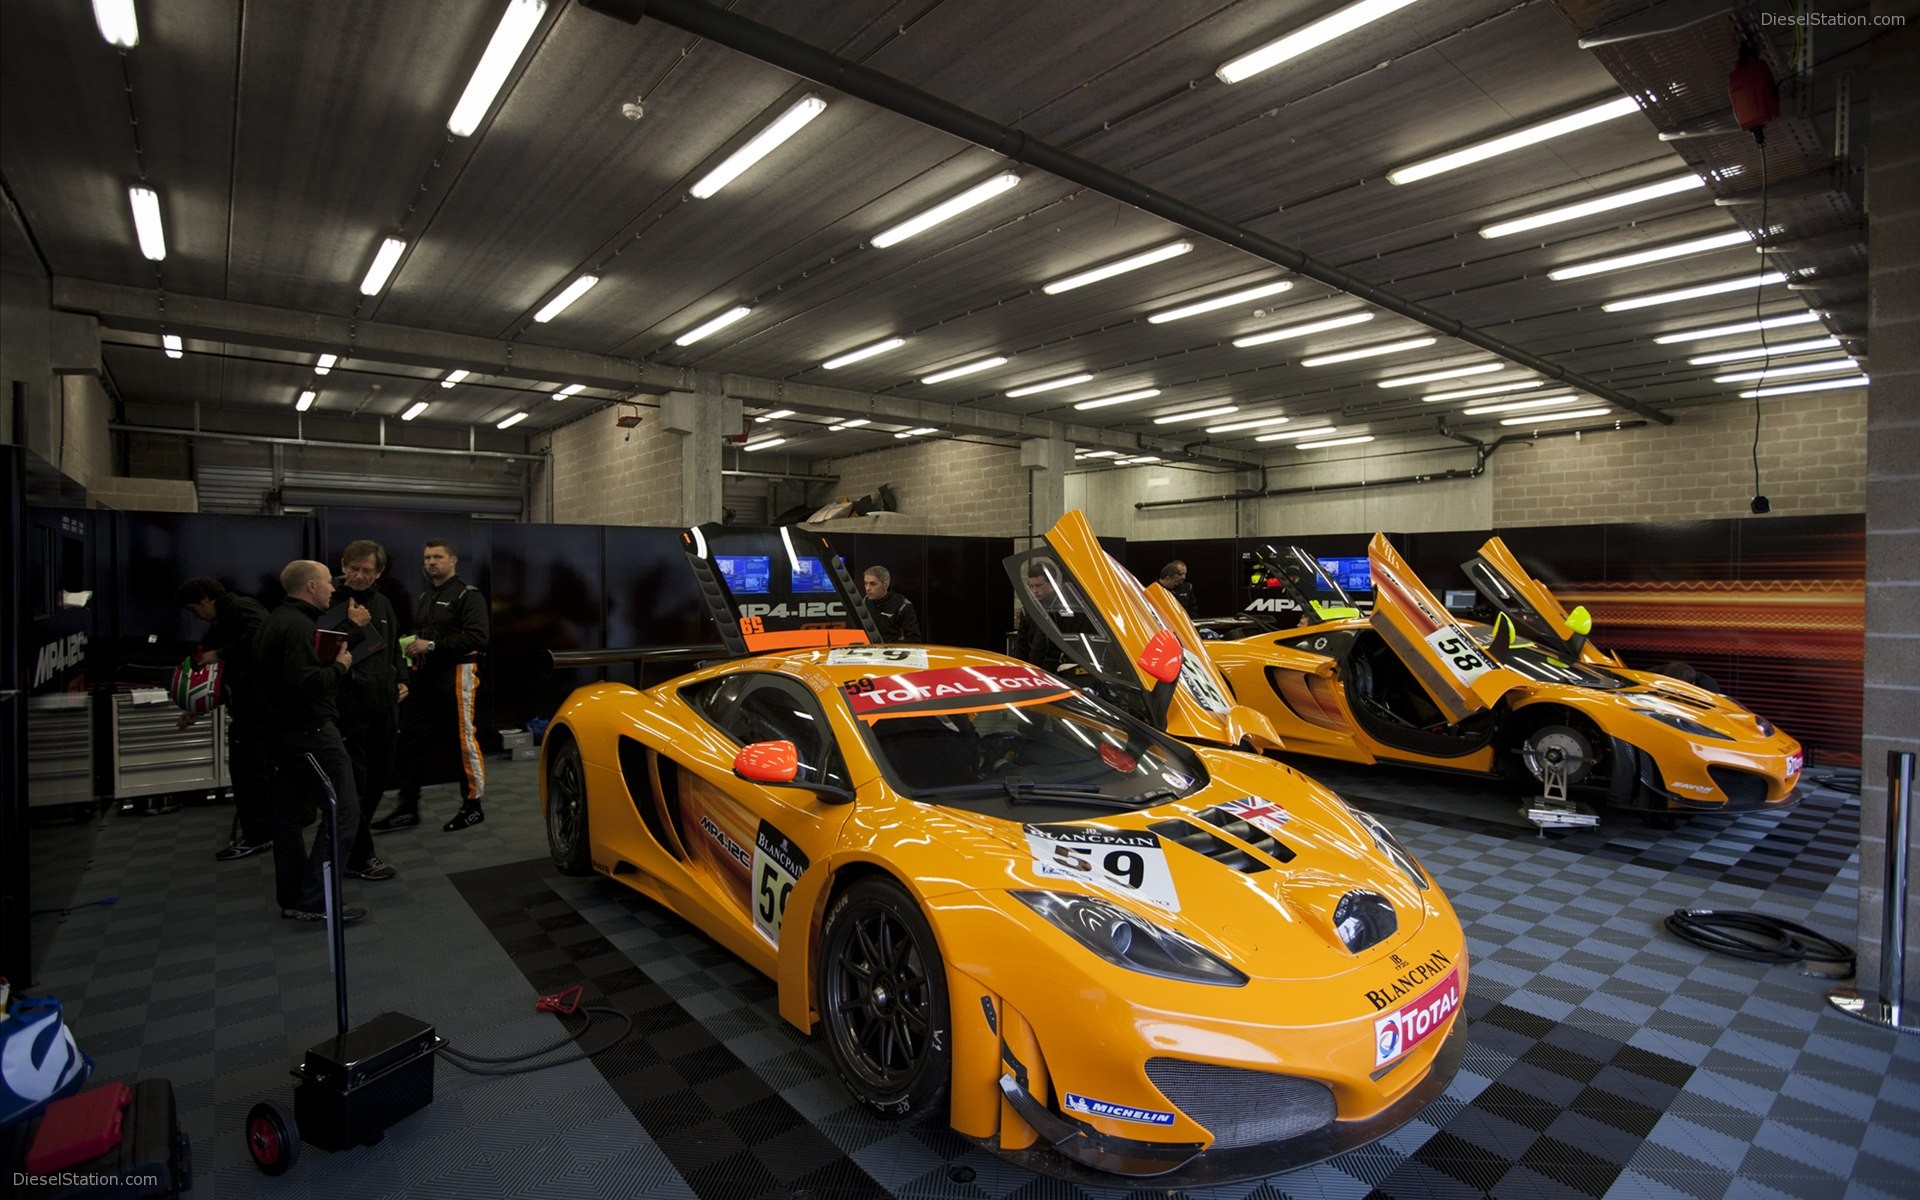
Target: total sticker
{"type": "Point", "coordinates": [913, 658]}
{"type": "Point", "coordinates": [1128, 861]}
{"type": "Point", "coordinates": [1397, 1032]}
{"type": "Point", "coordinates": [1458, 653]}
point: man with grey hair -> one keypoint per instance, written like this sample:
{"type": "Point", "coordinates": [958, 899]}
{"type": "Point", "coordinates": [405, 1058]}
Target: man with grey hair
{"type": "Point", "coordinates": [295, 692]}
{"type": "Point", "coordinates": [892, 612]}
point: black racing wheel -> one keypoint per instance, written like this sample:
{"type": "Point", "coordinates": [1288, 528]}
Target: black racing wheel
{"type": "Point", "coordinates": [567, 809]}
{"type": "Point", "coordinates": [1562, 746]}
{"type": "Point", "coordinates": [883, 993]}
{"type": "Point", "coordinates": [273, 1140]}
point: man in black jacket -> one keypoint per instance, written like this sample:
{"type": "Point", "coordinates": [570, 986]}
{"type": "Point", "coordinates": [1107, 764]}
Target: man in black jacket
{"type": "Point", "coordinates": [296, 703]}
{"type": "Point", "coordinates": [232, 621]}
{"type": "Point", "coordinates": [892, 612]}
{"type": "Point", "coordinates": [370, 697]}
{"type": "Point", "coordinates": [451, 629]}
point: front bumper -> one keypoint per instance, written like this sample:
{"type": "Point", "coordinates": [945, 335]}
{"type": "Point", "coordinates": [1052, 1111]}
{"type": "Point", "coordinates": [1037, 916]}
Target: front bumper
{"type": "Point", "coordinates": [1069, 1149]}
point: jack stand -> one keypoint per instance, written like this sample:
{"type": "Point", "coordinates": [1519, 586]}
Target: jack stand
{"type": "Point", "coordinates": [1554, 807]}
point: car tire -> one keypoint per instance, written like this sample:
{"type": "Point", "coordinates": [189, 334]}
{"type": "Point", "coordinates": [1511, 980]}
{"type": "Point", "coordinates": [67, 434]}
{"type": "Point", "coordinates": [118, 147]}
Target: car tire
{"type": "Point", "coordinates": [883, 1001]}
{"type": "Point", "coordinates": [1575, 747]}
{"type": "Point", "coordinates": [567, 838]}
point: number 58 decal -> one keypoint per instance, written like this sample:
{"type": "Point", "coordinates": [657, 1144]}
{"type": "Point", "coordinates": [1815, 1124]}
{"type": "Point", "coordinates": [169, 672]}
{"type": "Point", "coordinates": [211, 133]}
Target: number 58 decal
{"type": "Point", "coordinates": [1458, 653]}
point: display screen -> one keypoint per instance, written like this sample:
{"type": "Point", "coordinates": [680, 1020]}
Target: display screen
{"type": "Point", "coordinates": [1461, 600]}
{"type": "Point", "coordinates": [810, 576]}
{"type": "Point", "coordinates": [1352, 574]}
{"type": "Point", "coordinates": [745, 574]}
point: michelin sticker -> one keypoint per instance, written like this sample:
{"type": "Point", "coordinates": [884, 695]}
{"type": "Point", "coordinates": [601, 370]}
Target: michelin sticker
{"type": "Point", "coordinates": [1087, 1106]}
{"type": "Point", "coordinates": [778, 864]}
{"type": "Point", "coordinates": [912, 658]}
{"type": "Point", "coordinates": [1398, 1032]}
{"type": "Point", "coordinates": [1128, 861]}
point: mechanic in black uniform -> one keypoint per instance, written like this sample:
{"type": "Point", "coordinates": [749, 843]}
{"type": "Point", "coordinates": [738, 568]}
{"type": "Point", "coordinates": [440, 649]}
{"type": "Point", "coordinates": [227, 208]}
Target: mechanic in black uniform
{"type": "Point", "coordinates": [1173, 577]}
{"type": "Point", "coordinates": [370, 697]}
{"type": "Point", "coordinates": [1030, 640]}
{"type": "Point", "coordinates": [892, 612]}
{"type": "Point", "coordinates": [451, 629]}
{"type": "Point", "coordinates": [296, 702]}
{"type": "Point", "coordinates": [232, 621]}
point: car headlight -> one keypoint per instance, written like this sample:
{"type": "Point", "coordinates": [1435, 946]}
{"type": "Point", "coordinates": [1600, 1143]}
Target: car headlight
{"type": "Point", "coordinates": [1124, 940]}
{"type": "Point", "coordinates": [1389, 845]}
{"type": "Point", "coordinates": [1763, 725]}
{"type": "Point", "coordinates": [1686, 725]}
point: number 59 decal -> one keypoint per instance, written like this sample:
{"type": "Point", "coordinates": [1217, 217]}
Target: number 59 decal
{"type": "Point", "coordinates": [778, 864]}
{"type": "Point", "coordinates": [1128, 861]}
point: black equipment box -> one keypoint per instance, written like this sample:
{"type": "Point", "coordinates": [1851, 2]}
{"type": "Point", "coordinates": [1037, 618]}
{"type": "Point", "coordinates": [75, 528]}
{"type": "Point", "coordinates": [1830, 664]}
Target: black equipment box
{"type": "Point", "coordinates": [152, 1157]}
{"type": "Point", "coordinates": [355, 1085]}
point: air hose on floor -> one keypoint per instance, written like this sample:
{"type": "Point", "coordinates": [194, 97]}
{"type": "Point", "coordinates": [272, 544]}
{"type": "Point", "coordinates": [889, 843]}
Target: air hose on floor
{"type": "Point", "coordinates": [563, 1004]}
{"type": "Point", "coordinates": [1759, 938]}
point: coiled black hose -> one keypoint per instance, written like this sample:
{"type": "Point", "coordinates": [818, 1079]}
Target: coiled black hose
{"type": "Point", "coordinates": [1757, 938]}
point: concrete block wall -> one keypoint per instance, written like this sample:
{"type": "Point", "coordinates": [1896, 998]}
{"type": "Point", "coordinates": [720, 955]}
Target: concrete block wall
{"type": "Point", "coordinates": [1890, 721]}
{"type": "Point", "coordinates": [86, 448]}
{"type": "Point", "coordinates": [964, 489]}
{"type": "Point", "coordinates": [605, 475]}
{"type": "Point", "coordinates": [1813, 451]}
{"type": "Point", "coordinates": [1439, 504]}
{"type": "Point", "coordinates": [1108, 498]}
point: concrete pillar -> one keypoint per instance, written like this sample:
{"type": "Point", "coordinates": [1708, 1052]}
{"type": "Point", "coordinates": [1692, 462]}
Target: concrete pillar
{"type": "Point", "coordinates": [1047, 460]}
{"type": "Point", "coordinates": [704, 418]}
{"type": "Point", "coordinates": [1891, 720]}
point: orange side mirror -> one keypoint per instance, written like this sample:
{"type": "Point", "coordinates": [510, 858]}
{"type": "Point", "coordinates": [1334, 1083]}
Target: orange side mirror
{"type": "Point", "coordinates": [767, 762]}
{"type": "Point", "coordinates": [1161, 657]}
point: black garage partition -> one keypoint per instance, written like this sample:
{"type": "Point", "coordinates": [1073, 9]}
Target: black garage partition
{"type": "Point", "coordinates": [16, 900]}
{"type": "Point", "coordinates": [547, 589]}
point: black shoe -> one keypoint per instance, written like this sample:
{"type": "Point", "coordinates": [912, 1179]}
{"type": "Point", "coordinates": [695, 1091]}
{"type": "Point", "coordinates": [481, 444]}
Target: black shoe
{"type": "Point", "coordinates": [349, 913]}
{"type": "Point", "coordinates": [372, 869]}
{"type": "Point", "coordinates": [405, 818]}
{"type": "Point", "coordinates": [469, 814]}
{"type": "Point", "coordinates": [240, 848]}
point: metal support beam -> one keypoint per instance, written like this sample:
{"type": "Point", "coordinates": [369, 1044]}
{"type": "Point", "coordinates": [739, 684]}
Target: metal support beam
{"type": "Point", "coordinates": [810, 62]}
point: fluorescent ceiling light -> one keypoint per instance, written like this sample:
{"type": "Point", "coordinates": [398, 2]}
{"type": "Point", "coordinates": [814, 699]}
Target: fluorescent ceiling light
{"type": "Point", "coordinates": [789, 123]}
{"type": "Point", "coordinates": [983, 364]}
{"type": "Point", "coordinates": [572, 389]}
{"type": "Point", "coordinates": [850, 423]}
{"type": "Point", "coordinates": [1034, 389]}
{"type": "Point", "coordinates": [1294, 331]}
{"type": "Point", "coordinates": [764, 444]}
{"type": "Point", "coordinates": [1726, 356]}
{"type": "Point", "coordinates": [1122, 398]}
{"type": "Point", "coordinates": [718, 323]}
{"type": "Point", "coordinates": [1698, 290]}
{"type": "Point", "coordinates": [146, 222]}
{"type": "Point", "coordinates": [510, 37]}
{"type": "Point", "coordinates": [1481, 410]}
{"type": "Point", "coordinates": [979, 193]}
{"type": "Point", "coordinates": [1287, 434]}
{"type": "Point", "coordinates": [1257, 423]}
{"type": "Point", "coordinates": [117, 23]}
{"type": "Point", "coordinates": [1498, 389]}
{"type": "Point", "coordinates": [1658, 254]}
{"type": "Point", "coordinates": [1599, 204]}
{"type": "Point", "coordinates": [1817, 368]}
{"type": "Point", "coordinates": [907, 433]}
{"type": "Point", "coordinates": [1593, 114]}
{"type": "Point", "coordinates": [384, 261]}
{"type": "Point", "coordinates": [1356, 440]}
{"type": "Point", "coordinates": [170, 342]}
{"type": "Point", "coordinates": [1140, 459]}
{"type": "Point", "coordinates": [1226, 301]}
{"type": "Point", "coordinates": [419, 406]}
{"type": "Point", "coordinates": [1307, 37]}
{"type": "Point", "coordinates": [1098, 454]}
{"type": "Point", "coordinates": [1218, 411]}
{"type": "Point", "coordinates": [1791, 389]}
{"type": "Point", "coordinates": [850, 356]}
{"type": "Point", "coordinates": [305, 402]}
{"type": "Point", "coordinates": [1145, 258]}
{"type": "Point", "coordinates": [558, 304]}
{"type": "Point", "coordinates": [1700, 335]}
{"type": "Point", "coordinates": [453, 377]}
{"type": "Point", "coordinates": [775, 415]}
{"type": "Point", "coordinates": [324, 364]}
{"type": "Point", "coordinates": [1327, 360]}
{"type": "Point", "coordinates": [1449, 373]}
{"type": "Point", "coordinates": [1537, 418]}
{"type": "Point", "coordinates": [511, 421]}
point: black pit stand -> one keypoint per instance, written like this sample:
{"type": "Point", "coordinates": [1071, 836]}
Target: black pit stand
{"type": "Point", "coordinates": [357, 1083]}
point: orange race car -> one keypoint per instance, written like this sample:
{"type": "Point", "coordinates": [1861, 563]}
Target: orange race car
{"type": "Point", "coordinates": [1528, 697]}
{"type": "Point", "coordinates": [1096, 947]}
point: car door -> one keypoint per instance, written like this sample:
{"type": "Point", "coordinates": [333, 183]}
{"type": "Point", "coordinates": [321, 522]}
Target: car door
{"type": "Point", "coordinates": [1450, 666]}
{"type": "Point", "coordinates": [1500, 579]}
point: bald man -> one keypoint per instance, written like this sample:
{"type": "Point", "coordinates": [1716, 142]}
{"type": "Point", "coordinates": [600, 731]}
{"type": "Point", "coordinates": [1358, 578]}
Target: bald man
{"type": "Point", "coordinates": [295, 692]}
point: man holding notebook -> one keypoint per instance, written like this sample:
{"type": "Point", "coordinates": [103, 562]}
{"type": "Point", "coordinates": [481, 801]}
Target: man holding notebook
{"type": "Point", "coordinates": [298, 668]}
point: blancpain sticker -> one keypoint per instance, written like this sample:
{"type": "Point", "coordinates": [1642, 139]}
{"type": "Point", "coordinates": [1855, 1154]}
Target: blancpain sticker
{"type": "Point", "coordinates": [911, 657]}
{"type": "Point", "coordinates": [1088, 1106]}
{"type": "Point", "coordinates": [1262, 814]}
{"type": "Point", "coordinates": [778, 864]}
{"type": "Point", "coordinates": [1128, 861]}
{"type": "Point", "coordinates": [1397, 1032]}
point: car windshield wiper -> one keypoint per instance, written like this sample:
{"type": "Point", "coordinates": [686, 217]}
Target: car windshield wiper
{"type": "Point", "coordinates": [1025, 791]}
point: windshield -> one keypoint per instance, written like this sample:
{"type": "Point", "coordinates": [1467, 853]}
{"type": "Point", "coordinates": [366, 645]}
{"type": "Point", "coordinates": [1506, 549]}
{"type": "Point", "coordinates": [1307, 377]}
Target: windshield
{"type": "Point", "coordinates": [1061, 750]}
{"type": "Point", "coordinates": [1542, 665]}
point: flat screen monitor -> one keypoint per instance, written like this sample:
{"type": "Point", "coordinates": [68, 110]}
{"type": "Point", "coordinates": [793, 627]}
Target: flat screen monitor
{"type": "Point", "coordinates": [810, 576]}
{"type": "Point", "coordinates": [1460, 599]}
{"type": "Point", "coordinates": [1354, 575]}
{"type": "Point", "coordinates": [745, 574]}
